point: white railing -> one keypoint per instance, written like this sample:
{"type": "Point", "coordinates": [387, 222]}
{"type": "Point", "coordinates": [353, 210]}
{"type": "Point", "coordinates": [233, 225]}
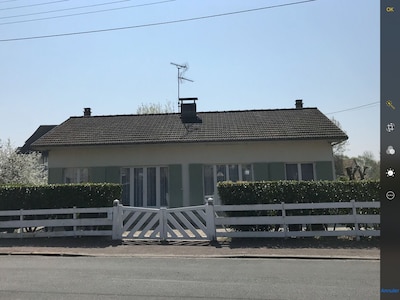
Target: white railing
{"type": "Point", "coordinates": [297, 220]}
{"type": "Point", "coordinates": [56, 222]}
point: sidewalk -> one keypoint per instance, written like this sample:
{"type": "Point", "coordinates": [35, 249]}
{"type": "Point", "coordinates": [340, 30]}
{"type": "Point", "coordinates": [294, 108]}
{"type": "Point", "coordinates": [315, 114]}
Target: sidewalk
{"type": "Point", "coordinates": [327, 248]}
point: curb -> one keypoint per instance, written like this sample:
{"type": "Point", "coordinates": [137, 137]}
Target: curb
{"type": "Point", "coordinates": [187, 256]}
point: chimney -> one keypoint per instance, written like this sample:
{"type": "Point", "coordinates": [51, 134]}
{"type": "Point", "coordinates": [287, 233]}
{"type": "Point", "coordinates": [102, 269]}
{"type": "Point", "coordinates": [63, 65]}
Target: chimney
{"type": "Point", "coordinates": [189, 111]}
{"type": "Point", "coordinates": [299, 104]}
{"type": "Point", "coordinates": [87, 112]}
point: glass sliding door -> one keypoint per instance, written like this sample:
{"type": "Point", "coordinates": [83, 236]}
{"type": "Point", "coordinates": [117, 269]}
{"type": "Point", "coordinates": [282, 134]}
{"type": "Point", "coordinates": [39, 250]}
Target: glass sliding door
{"type": "Point", "coordinates": [145, 186]}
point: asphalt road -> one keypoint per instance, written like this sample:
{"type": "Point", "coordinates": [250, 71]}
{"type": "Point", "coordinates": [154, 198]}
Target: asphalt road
{"type": "Point", "coordinates": [41, 277]}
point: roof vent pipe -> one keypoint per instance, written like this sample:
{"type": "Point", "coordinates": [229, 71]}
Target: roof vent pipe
{"type": "Point", "coordinates": [87, 112]}
{"type": "Point", "coordinates": [299, 104]}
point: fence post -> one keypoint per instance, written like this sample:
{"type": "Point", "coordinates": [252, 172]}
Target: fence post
{"type": "Point", "coordinates": [356, 226]}
{"type": "Point", "coordinates": [163, 223]}
{"type": "Point", "coordinates": [210, 220]}
{"type": "Point", "coordinates": [117, 221]}
{"type": "Point", "coordinates": [74, 218]}
{"type": "Point", "coordinates": [285, 226]}
{"type": "Point", "coordinates": [21, 219]}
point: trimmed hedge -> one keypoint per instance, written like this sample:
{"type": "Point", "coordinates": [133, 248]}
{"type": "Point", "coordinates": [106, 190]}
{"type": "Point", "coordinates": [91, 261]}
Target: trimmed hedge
{"type": "Point", "coordinates": [59, 196]}
{"type": "Point", "coordinates": [274, 192]}
{"type": "Point", "coordinates": [270, 192]}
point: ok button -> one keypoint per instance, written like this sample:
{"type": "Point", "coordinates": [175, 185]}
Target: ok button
{"type": "Point", "coordinates": [390, 9]}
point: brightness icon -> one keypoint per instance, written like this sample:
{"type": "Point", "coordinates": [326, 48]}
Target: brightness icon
{"type": "Point", "coordinates": [390, 172]}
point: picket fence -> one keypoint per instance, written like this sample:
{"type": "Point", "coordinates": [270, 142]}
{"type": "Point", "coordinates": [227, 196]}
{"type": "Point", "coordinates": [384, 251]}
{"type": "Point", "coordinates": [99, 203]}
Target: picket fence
{"type": "Point", "coordinates": [207, 221]}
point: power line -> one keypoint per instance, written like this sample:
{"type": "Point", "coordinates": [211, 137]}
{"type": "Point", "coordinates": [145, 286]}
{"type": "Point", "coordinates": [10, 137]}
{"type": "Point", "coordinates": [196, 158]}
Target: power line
{"type": "Point", "coordinates": [354, 108]}
{"type": "Point", "coordinates": [31, 5]}
{"type": "Point", "coordinates": [86, 13]}
{"type": "Point", "coordinates": [64, 9]}
{"type": "Point", "coordinates": [154, 24]}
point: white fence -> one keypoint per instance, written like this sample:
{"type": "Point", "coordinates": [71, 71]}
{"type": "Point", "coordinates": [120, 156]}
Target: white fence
{"type": "Point", "coordinates": [298, 220]}
{"type": "Point", "coordinates": [56, 222]}
{"type": "Point", "coordinates": [197, 222]}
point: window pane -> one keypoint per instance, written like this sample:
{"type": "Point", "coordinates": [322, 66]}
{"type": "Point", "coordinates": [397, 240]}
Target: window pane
{"type": "Point", "coordinates": [83, 175]}
{"type": "Point", "coordinates": [292, 172]}
{"type": "Point", "coordinates": [307, 172]}
{"type": "Point", "coordinates": [76, 175]}
{"type": "Point", "coordinates": [208, 181]}
{"type": "Point", "coordinates": [221, 173]}
{"type": "Point", "coordinates": [151, 187]}
{"type": "Point", "coordinates": [247, 173]}
{"type": "Point", "coordinates": [138, 187]}
{"type": "Point", "coordinates": [234, 173]}
{"type": "Point", "coordinates": [126, 186]}
{"type": "Point", "coordinates": [164, 186]}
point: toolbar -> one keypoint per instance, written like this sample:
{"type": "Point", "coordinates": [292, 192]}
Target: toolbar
{"type": "Point", "coordinates": [390, 149]}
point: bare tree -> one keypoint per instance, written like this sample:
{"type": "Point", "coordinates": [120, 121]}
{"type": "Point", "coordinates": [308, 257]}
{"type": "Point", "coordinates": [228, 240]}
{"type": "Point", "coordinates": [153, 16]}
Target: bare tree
{"type": "Point", "coordinates": [155, 108]}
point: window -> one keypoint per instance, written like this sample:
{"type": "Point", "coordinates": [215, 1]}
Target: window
{"type": "Point", "coordinates": [145, 186]}
{"type": "Point", "coordinates": [212, 174]}
{"type": "Point", "coordinates": [300, 171]}
{"type": "Point", "coordinates": [76, 175]}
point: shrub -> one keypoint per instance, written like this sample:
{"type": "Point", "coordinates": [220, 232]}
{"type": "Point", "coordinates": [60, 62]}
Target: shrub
{"type": "Point", "coordinates": [273, 192]}
{"type": "Point", "coordinates": [55, 196]}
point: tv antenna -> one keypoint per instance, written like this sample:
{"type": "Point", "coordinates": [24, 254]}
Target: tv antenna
{"type": "Point", "coordinates": [181, 71]}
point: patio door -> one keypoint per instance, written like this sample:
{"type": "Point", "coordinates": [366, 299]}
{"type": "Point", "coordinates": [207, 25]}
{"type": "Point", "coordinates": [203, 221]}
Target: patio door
{"type": "Point", "coordinates": [145, 186]}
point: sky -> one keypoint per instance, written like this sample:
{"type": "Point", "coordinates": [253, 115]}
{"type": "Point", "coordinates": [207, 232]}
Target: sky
{"type": "Point", "coordinates": [242, 55]}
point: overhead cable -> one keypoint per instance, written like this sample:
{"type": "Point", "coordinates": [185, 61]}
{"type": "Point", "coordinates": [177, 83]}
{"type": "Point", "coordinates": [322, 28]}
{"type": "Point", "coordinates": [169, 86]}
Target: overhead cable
{"type": "Point", "coordinates": [153, 24]}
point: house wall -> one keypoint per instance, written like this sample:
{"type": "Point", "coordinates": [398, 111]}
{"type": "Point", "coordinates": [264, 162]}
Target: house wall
{"type": "Point", "coordinates": [185, 162]}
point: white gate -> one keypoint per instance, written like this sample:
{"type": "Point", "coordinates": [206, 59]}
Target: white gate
{"type": "Point", "coordinates": [194, 222]}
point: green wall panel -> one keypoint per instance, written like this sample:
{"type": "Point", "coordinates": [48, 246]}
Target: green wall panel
{"type": "Point", "coordinates": [324, 170]}
{"type": "Point", "coordinates": [175, 186]}
{"type": "Point", "coordinates": [97, 174]}
{"type": "Point", "coordinates": [113, 174]}
{"type": "Point", "coordinates": [196, 184]}
{"type": "Point", "coordinates": [55, 175]}
{"type": "Point", "coordinates": [276, 171]}
{"type": "Point", "coordinates": [260, 171]}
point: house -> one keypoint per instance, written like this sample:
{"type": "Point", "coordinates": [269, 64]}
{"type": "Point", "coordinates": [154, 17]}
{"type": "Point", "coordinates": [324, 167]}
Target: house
{"type": "Point", "coordinates": [26, 148]}
{"type": "Point", "coordinates": [176, 159]}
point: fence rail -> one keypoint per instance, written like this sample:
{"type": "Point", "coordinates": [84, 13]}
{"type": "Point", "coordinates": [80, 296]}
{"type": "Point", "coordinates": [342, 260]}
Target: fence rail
{"type": "Point", "coordinates": [197, 222]}
{"type": "Point", "coordinates": [56, 222]}
{"type": "Point", "coordinates": [343, 219]}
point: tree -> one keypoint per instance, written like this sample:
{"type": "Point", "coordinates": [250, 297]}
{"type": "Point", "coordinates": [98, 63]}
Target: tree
{"type": "Point", "coordinates": [338, 150]}
{"type": "Point", "coordinates": [17, 168]}
{"type": "Point", "coordinates": [155, 108]}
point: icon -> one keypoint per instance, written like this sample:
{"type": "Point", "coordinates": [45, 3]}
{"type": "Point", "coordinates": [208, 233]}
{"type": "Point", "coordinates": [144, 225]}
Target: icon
{"type": "Point", "coordinates": [390, 150]}
{"type": "Point", "coordinates": [390, 172]}
{"type": "Point", "coordinates": [390, 9]}
{"type": "Point", "coordinates": [390, 195]}
{"type": "Point", "coordinates": [389, 103]}
{"type": "Point", "coordinates": [390, 127]}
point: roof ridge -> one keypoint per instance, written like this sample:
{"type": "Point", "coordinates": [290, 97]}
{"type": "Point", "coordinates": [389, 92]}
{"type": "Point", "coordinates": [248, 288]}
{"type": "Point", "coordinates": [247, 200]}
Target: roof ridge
{"type": "Point", "coordinates": [200, 112]}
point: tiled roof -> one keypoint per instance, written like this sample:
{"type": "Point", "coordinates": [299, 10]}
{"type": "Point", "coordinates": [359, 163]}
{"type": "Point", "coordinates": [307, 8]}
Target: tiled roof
{"type": "Point", "coordinates": [42, 130]}
{"type": "Point", "coordinates": [250, 125]}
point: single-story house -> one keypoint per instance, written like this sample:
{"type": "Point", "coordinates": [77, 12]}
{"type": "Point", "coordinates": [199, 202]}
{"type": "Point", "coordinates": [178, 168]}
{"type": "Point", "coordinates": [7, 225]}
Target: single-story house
{"type": "Point", "coordinates": [176, 159]}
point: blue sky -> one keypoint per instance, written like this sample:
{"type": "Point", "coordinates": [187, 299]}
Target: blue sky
{"type": "Point", "coordinates": [325, 52]}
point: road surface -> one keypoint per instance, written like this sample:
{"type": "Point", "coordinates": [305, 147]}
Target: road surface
{"type": "Point", "coordinates": [43, 277]}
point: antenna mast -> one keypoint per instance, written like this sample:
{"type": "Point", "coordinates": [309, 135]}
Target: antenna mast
{"type": "Point", "coordinates": [180, 75]}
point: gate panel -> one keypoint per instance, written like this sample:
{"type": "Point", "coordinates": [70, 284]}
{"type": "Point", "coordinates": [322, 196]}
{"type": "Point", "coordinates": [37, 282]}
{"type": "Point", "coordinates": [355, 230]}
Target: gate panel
{"type": "Point", "coordinates": [163, 224]}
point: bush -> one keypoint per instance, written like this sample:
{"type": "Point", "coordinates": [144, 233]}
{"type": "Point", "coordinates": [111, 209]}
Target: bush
{"type": "Point", "coordinates": [274, 192]}
{"type": "Point", "coordinates": [58, 196]}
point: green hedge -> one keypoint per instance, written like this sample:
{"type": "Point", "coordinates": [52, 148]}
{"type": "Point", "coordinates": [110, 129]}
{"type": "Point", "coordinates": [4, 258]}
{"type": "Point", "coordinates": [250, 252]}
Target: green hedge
{"type": "Point", "coordinates": [269, 192]}
{"type": "Point", "coordinates": [59, 196]}
{"type": "Point", "coordinates": [273, 192]}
